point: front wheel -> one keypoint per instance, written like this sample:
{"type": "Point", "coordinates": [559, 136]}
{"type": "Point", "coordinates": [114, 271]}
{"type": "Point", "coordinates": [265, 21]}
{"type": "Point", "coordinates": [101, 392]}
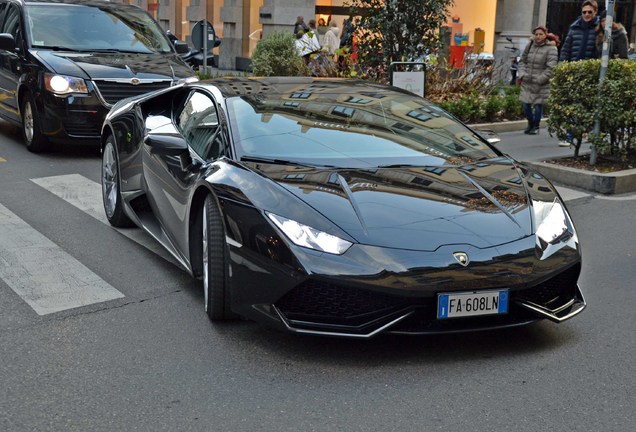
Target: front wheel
{"type": "Point", "coordinates": [111, 194]}
{"type": "Point", "coordinates": [215, 263]}
{"type": "Point", "coordinates": [33, 138]}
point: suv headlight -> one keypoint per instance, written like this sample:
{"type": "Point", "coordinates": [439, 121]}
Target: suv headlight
{"type": "Point", "coordinates": [64, 84]}
{"type": "Point", "coordinates": [554, 227]}
{"type": "Point", "coordinates": [305, 236]}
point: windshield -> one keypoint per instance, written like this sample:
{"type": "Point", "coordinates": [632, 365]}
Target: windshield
{"type": "Point", "coordinates": [351, 131]}
{"type": "Point", "coordinates": [89, 28]}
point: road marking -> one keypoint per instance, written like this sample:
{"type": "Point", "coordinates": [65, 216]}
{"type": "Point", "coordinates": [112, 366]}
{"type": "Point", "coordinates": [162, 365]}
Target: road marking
{"type": "Point", "coordinates": [571, 194]}
{"type": "Point", "coordinates": [42, 274]}
{"type": "Point", "coordinates": [78, 191]}
{"type": "Point", "coordinates": [86, 195]}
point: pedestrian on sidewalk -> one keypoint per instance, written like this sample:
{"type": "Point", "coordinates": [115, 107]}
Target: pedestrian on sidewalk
{"type": "Point", "coordinates": [300, 25]}
{"type": "Point", "coordinates": [580, 43]}
{"type": "Point", "coordinates": [619, 44]}
{"type": "Point", "coordinates": [537, 63]}
{"type": "Point", "coordinates": [331, 40]}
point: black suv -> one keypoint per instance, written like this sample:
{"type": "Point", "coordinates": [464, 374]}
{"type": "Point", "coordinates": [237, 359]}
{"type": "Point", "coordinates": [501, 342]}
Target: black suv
{"type": "Point", "coordinates": [64, 64]}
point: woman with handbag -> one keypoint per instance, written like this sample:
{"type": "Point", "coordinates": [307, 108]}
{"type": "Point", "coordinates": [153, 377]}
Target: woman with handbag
{"type": "Point", "coordinates": [535, 70]}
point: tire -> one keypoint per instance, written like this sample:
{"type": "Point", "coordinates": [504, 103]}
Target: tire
{"type": "Point", "coordinates": [31, 133]}
{"type": "Point", "coordinates": [111, 187]}
{"type": "Point", "coordinates": [215, 263]}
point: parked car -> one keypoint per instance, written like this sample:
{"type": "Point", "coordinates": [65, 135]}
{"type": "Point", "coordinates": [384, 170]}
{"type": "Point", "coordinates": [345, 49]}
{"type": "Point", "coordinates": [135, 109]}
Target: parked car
{"type": "Point", "coordinates": [339, 207]}
{"type": "Point", "coordinates": [64, 64]}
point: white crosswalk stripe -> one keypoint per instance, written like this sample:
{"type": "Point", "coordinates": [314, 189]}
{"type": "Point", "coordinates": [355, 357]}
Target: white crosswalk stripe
{"type": "Point", "coordinates": [47, 278]}
{"type": "Point", "coordinates": [86, 195]}
{"type": "Point", "coordinates": [42, 274]}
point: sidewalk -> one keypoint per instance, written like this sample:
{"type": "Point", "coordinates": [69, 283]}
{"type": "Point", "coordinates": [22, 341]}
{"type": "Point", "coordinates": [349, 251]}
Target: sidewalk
{"type": "Point", "coordinates": [534, 149]}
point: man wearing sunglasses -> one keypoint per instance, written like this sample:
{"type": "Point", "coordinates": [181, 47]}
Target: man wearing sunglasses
{"type": "Point", "coordinates": [580, 43]}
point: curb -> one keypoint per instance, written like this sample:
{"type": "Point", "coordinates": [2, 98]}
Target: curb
{"type": "Point", "coordinates": [506, 126]}
{"type": "Point", "coordinates": [604, 183]}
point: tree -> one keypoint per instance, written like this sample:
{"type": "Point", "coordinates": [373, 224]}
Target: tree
{"type": "Point", "coordinates": [396, 30]}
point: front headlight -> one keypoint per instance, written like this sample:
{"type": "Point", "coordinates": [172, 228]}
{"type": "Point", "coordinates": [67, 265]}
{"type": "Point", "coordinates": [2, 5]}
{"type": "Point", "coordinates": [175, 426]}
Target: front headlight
{"type": "Point", "coordinates": [554, 227]}
{"type": "Point", "coordinates": [64, 84]}
{"type": "Point", "coordinates": [303, 235]}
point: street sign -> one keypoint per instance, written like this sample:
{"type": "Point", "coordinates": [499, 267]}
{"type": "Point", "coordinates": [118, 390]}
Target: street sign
{"type": "Point", "coordinates": [412, 78]}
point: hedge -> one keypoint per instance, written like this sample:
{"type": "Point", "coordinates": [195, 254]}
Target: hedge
{"type": "Point", "coordinates": [576, 101]}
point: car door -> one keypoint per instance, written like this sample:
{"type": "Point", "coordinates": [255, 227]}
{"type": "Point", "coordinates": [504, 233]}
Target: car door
{"type": "Point", "coordinates": [169, 179]}
{"type": "Point", "coordinates": [11, 63]}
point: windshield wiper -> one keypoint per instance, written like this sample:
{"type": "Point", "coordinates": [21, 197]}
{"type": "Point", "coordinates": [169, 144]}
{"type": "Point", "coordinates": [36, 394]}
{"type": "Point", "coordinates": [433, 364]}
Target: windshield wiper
{"type": "Point", "coordinates": [113, 50]}
{"type": "Point", "coordinates": [54, 47]}
{"type": "Point", "coordinates": [401, 166]}
{"type": "Point", "coordinates": [283, 162]}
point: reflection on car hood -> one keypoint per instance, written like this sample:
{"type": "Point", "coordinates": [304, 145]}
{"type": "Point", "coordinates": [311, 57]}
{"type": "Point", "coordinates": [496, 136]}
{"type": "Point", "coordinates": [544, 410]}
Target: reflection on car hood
{"type": "Point", "coordinates": [115, 65]}
{"type": "Point", "coordinates": [482, 204]}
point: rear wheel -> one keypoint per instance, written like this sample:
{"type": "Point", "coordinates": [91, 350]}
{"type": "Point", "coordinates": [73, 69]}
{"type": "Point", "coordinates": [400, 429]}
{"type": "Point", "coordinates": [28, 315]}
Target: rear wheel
{"type": "Point", "coordinates": [33, 138]}
{"type": "Point", "coordinates": [111, 194]}
{"type": "Point", "coordinates": [215, 264]}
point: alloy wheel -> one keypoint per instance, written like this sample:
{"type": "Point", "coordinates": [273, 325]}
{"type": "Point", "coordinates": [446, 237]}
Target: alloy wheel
{"type": "Point", "coordinates": [110, 188]}
{"type": "Point", "coordinates": [28, 122]}
{"type": "Point", "coordinates": [206, 269]}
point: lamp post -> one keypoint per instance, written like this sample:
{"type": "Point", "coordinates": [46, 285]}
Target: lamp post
{"type": "Point", "coordinates": [607, 40]}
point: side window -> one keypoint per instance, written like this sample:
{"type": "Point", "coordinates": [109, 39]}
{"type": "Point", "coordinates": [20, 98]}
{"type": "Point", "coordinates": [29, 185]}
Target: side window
{"type": "Point", "coordinates": [3, 6]}
{"type": "Point", "coordinates": [199, 125]}
{"type": "Point", "coordinates": [12, 22]}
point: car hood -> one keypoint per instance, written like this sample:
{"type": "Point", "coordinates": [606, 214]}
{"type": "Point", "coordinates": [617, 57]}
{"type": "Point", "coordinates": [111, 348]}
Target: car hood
{"type": "Point", "coordinates": [483, 204]}
{"type": "Point", "coordinates": [115, 65]}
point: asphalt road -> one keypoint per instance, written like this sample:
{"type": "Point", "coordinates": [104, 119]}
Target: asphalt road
{"type": "Point", "coordinates": [150, 359]}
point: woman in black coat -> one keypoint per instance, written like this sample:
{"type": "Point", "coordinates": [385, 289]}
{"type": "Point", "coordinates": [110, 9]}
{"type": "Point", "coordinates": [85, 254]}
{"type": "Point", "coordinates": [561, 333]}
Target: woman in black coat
{"type": "Point", "coordinates": [619, 45]}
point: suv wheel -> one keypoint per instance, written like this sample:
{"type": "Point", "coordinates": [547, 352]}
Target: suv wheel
{"type": "Point", "coordinates": [33, 138]}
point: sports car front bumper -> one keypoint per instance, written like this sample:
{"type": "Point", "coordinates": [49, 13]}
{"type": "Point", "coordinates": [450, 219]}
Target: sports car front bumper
{"type": "Point", "coordinates": [371, 290]}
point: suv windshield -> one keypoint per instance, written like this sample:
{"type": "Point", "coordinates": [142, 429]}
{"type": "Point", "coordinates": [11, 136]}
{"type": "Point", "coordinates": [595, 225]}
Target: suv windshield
{"type": "Point", "coordinates": [89, 28]}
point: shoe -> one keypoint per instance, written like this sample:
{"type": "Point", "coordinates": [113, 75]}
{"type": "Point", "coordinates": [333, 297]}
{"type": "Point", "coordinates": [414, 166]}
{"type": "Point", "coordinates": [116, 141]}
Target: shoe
{"type": "Point", "coordinates": [533, 131]}
{"type": "Point", "coordinates": [528, 129]}
{"type": "Point", "coordinates": [564, 144]}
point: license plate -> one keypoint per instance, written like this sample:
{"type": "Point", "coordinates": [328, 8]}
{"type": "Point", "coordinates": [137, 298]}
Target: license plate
{"type": "Point", "coordinates": [474, 303]}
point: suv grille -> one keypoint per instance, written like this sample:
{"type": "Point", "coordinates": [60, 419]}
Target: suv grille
{"type": "Point", "coordinates": [113, 91]}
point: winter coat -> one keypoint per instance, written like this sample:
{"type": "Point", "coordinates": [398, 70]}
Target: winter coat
{"type": "Point", "coordinates": [620, 44]}
{"type": "Point", "coordinates": [535, 70]}
{"type": "Point", "coordinates": [331, 41]}
{"type": "Point", "coordinates": [580, 43]}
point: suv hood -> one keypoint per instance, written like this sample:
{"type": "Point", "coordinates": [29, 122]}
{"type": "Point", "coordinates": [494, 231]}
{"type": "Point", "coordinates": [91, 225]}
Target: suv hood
{"type": "Point", "coordinates": [483, 204]}
{"type": "Point", "coordinates": [91, 65]}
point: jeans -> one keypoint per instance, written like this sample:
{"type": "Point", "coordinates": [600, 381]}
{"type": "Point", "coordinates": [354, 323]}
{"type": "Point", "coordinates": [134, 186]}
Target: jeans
{"type": "Point", "coordinates": [533, 113]}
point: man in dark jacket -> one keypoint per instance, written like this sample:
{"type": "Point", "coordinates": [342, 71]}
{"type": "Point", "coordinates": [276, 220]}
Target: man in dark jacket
{"type": "Point", "coordinates": [580, 43]}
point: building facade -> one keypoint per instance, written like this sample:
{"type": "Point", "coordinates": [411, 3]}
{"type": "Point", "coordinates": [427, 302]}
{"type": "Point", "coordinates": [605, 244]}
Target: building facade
{"type": "Point", "coordinates": [496, 26]}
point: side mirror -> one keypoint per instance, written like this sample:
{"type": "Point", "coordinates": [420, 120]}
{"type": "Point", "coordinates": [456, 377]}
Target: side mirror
{"type": "Point", "coordinates": [7, 42]}
{"type": "Point", "coordinates": [172, 145]}
{"type": "Point", "coordinates": [166, 144]}
{"type": "Point", "coordinates": [181, 47]}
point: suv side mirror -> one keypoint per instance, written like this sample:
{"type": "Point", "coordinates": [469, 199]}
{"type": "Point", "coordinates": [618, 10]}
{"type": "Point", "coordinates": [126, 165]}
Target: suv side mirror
{"type": "Point", "coordinates": [181, 47]}
{"type": "Point", "coordinates": [7, 42]}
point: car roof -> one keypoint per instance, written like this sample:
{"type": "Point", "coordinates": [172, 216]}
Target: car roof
{"type": "Point", "coordinates": [238, 86]}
